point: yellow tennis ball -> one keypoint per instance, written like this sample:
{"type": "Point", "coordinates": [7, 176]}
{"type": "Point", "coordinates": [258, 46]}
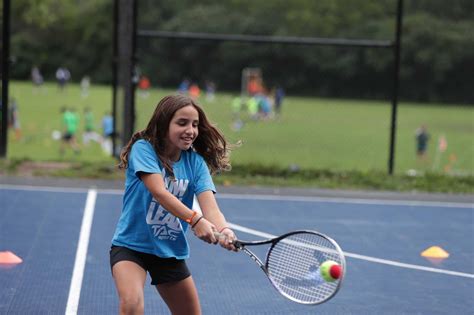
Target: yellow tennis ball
{"type": "Point", "coordinates": [330, 270]}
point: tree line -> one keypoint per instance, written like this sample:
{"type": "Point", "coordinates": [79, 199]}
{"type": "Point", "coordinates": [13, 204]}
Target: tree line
{"type": "Point", "coordinates": [437, 58]}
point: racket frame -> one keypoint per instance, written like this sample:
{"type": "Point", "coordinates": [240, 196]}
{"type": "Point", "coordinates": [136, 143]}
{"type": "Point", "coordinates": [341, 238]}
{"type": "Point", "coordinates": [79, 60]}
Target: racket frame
{"type": "Point", "coordinates": [273, 241]}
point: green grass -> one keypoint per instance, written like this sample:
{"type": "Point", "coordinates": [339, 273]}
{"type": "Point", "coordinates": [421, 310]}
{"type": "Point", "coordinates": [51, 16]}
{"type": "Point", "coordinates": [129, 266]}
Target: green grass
{"type": "Point", "coordinates": [311, 134]}
{"type": "Point", "coordinates": [343, 134]}
{"type": "Point", "coordinates": [40, 115]}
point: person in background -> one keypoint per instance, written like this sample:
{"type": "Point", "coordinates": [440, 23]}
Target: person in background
{"type": "Point", "coordinates": [184, 87]}
{"type": "Point", "coordinates": [107, 133]}
{"type": "Point", "coordinates": [194, 91]}
{"type": "Point", "coordinates": [237, 122]}
{"type": "Point", "coordinates": [14, 118]}
{"type": "Point", "coordinates": [279, 95]}
{"type": "Point", "coordinates": [89, 133]}
{"type": "Point", "coordinates": [70, 122]}
{"type": "Point", "coordinates": [37, 79]}
{"type": "Point", "coordinates": [422, 137]}
{"type": "Point", "coordinates": [62, 76]}
{"type": "Point", "coordinates": [144, 85]}
{"type": "Point", "coordinates": [210, 91]}
{"type": "Point", "coordinates": [85, 85]}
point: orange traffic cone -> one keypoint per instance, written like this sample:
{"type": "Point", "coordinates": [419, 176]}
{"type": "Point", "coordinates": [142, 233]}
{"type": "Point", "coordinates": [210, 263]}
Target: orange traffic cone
{"type": "Point", "coordinates": [9, 260]}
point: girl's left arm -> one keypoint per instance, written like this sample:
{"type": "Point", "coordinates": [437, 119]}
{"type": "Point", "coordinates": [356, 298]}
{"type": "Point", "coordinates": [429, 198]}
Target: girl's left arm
{"type": "Point", "coordinates": [213, 214]}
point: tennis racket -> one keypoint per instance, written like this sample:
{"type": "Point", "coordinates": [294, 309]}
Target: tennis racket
{"type": "Point", "coordinates": [293, 265]}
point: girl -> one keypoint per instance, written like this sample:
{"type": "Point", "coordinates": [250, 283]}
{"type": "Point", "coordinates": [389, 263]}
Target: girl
{"type": "Point", "coordinates": [166, 165]}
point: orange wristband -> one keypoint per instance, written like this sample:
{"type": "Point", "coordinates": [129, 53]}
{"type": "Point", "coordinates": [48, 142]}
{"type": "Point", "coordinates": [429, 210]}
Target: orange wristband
{"type": "Point", "coordinates": [190, 219]}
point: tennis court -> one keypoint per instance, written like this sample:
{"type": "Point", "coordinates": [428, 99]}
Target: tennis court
{"type": "Point", "coordinates": [62, 232]}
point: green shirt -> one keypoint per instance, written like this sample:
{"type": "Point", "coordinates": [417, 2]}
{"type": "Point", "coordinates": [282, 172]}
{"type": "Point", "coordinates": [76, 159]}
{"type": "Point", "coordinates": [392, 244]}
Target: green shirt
{"type": "Point", "coordinates": [89, 121]}
{"type": "Point", "coordinates": [71, 122]}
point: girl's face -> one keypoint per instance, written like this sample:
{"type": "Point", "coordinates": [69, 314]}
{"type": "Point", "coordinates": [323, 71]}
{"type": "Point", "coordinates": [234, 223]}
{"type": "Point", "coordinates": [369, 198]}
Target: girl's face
{"type": "Point", "coordinates": [182, 132]}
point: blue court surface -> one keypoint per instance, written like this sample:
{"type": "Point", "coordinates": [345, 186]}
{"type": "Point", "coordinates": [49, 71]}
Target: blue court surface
{"type": "Point", "coordinates": [63, 236]}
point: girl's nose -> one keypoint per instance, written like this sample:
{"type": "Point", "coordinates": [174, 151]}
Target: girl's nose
{"type": "Point", "coordinates": [189, 130]}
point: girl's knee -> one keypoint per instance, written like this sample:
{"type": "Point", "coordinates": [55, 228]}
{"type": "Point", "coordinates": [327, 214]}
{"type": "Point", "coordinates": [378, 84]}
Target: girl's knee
{"type": "Point", "coordinates": [131, 305]}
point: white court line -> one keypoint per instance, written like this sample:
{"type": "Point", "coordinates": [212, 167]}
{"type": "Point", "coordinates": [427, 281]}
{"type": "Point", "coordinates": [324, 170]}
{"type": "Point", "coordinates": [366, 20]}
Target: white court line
{"type": "Point", "coordinates": [267, 197]}
{"type": "Point", "coordinates": [350, 200]}
{"type": "Point", "coordinates": [366, 258]}
{"type": "Point", "coordinates": [383, 202]}
{"type": "Point", "coordinates": [44, 188]}
{"type": "Point", "coordinates": [81, 254]}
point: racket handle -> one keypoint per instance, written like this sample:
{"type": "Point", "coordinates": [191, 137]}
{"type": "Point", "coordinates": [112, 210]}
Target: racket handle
{"type": "Point", "coordinates": [236, 243]}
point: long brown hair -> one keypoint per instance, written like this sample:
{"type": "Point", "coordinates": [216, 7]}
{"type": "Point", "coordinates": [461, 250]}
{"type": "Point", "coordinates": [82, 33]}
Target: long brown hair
{"type": "Point", "coordinates": [210, 142]}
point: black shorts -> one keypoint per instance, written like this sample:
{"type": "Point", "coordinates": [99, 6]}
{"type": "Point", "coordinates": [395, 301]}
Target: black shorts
{"type": "Point", "coordinates": [67, 136]}
{"type": "Point", "coordinates": [161, 270]}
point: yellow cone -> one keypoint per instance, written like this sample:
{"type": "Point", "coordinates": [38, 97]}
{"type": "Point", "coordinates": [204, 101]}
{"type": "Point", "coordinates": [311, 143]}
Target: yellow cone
{"type": "Point", "coordinates": [435, 252]}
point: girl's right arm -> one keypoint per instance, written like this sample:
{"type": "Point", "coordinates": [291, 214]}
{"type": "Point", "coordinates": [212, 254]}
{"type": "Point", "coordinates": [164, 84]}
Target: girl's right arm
{"type": "Point", "coordinates": [155, 184]}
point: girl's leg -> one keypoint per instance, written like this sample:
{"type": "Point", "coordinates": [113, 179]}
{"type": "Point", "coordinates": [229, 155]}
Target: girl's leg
{"type": "Point", "coordinates": [181, 297]}
{"type": "Point", "coordinates": [130, 281]}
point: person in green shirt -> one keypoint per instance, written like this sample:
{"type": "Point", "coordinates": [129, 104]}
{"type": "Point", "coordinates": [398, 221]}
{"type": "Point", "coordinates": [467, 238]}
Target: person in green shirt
{"type": "Point", "coordinates": [237, 122]}
{"type": "Point", "coordinates": [70, 122]}
{"type": "Point", "coordinates": [252, 107]}
{"type": "Point", "coordinates": [89, 133]}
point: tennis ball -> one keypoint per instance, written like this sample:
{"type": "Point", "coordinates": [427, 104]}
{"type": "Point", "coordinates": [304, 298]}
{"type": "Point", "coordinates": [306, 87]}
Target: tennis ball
{"type": "Point", "coordinates": [330, 271]}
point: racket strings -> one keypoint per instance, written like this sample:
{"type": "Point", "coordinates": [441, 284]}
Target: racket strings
{"type": "Point", "coordinates": [300, 279]}
{"type": "Point", "coordinates": [300, 276]}
{"type": "Point", "coordinates": [293, 265]}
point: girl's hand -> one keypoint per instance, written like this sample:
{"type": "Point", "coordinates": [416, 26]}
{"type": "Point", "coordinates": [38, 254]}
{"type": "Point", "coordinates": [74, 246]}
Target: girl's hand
{"type": "Point", "coordinates": [204, 230]}
{"type": "Point", "coordinates": [227, 239]}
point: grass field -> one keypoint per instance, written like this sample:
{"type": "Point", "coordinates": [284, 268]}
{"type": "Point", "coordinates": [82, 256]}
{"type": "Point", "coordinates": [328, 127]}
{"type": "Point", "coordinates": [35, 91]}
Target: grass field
{"type": "Point", "coordinates": [312, 133]}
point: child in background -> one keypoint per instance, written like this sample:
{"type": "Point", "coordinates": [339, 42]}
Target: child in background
{"type": "Point", "coordinates": [89, 128]}
{"type": "Point", "coordinates": [107, 133]}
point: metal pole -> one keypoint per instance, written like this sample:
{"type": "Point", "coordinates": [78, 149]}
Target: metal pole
{"type": "Point", "coordinates": [5, 77]}
{"type": "Point", "coordinates": [124, 87]}
{"type": "Point", "coordinates": [133, 68]}
{"type": "Point", "coordinates": [126, 58]}
{"type": "Point", "coordinates": [115, 77]}
{"type": "Point", "coordinates": [396, 81]}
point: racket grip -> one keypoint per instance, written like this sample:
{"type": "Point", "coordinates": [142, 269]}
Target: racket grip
{"type": "Point", "coordinates": [236, 243]}
{"type": "Point", "coordinates": [218, 235]}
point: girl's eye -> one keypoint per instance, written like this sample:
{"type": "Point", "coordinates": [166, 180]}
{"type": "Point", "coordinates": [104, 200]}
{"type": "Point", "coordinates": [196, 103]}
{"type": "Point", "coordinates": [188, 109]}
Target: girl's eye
{"type": "Point", "coordinates": [184, 123]}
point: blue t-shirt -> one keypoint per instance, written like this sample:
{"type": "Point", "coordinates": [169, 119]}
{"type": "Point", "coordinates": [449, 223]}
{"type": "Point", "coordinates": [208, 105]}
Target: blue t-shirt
{"type": "Point", "coordinates": [144, 224]}
{"type": "Point", "coordinates": [108, 125]}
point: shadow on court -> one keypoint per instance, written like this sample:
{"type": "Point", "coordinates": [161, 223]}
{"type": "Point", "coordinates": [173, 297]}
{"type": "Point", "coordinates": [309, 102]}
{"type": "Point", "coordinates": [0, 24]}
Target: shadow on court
{"type": "Point", "coordinates": [382, 240]}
